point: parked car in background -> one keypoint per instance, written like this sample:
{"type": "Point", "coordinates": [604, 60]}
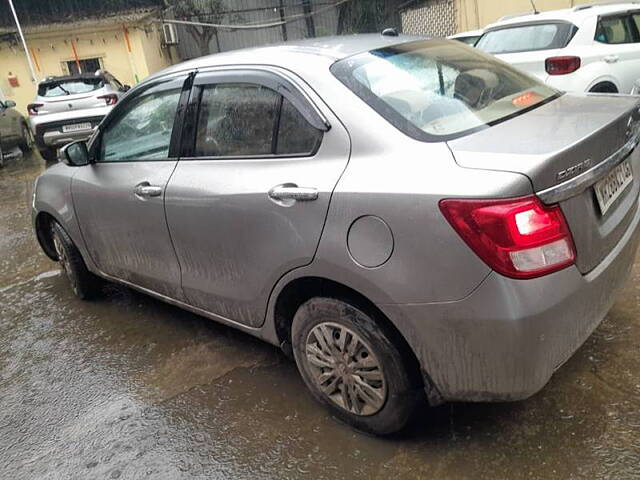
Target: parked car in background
{"type": "Point", "coordinates": [470, 38]}
{"type": "Point", "coordinates": [69, 108]}
{"type": "Point", "coordinates": [14, 131]}
{"type": "Point", "coordinates": [591, 48]}
{"type": "Point", "coordinates": [407, 217]}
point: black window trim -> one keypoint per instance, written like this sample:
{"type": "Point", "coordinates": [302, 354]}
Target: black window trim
{"type": "Point", "coordinates": [120, 109]}
{"type": "Point", "coordinates": [249, 76]}
{"type": "Point", "coordinates": [573, 32]}
{"type": "Point", "coordinates": [626, 15]}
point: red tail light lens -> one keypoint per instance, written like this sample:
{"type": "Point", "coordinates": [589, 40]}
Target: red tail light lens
{"type": "Point", "coordinates": [562, 65]}
{"type": "Point", "coordinates": [110, 99]}
{"type": "Point", "coordinates": [32, 108]}
{"type": "Point", "coordinates": [518, 237]}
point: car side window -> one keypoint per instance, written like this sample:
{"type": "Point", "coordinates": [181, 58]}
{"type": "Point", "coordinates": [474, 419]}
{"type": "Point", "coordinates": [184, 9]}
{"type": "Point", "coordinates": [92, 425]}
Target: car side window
{"type": "Point", "coordinates": [241, 119]}
{"type": "Point", "coordinates": [615, 30]}
{"type": "Point", "coordinates": [636, 21]}
{"type": "Point", "coordinates": [295, 135]}
{"type": "Point", "coordinates": [143, 132]}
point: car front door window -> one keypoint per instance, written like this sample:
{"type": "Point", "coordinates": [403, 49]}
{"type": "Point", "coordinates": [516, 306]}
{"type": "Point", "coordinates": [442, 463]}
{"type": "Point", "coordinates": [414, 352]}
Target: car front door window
{"type": "Point", "coordinates": [144, 131]}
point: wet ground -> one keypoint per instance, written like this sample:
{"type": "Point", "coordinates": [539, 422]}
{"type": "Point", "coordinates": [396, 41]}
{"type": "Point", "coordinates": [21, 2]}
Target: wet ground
{"type": "Point", "coordinates": [128, 387]}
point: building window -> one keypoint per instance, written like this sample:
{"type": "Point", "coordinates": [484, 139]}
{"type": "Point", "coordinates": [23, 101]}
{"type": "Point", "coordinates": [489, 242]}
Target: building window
{"type": "Point", "coordinates": [88, 65]}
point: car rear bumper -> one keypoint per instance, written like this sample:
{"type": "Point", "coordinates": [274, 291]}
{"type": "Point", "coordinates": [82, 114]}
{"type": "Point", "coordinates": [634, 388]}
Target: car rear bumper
{"type": "Point", "coordinates": [504, 341]}
{"type": "Point", "coordinates": [48, 129]}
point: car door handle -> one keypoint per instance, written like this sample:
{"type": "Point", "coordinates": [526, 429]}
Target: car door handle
{"type": "Point", "coordinates": [611, 58]}
{"type": "Point", "coordinates": [289, 191]}
{"type": "Point", "coordinates": [146, 190]}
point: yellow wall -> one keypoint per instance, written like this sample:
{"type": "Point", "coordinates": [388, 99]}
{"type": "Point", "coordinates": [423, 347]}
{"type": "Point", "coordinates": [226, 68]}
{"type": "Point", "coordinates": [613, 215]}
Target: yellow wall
{"type": "Point", "coordinates": [474, 14]}
{"type": "Point", "coordinates": [52, 49]}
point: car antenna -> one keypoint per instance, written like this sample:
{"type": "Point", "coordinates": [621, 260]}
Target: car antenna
{"type": "Point", "coordinates": [535, 10]}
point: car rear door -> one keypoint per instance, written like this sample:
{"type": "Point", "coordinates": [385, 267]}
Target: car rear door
{"type": "Point", "coordinates": [119, 199]}
{"type": "Point", "coordinates": [248, 200]}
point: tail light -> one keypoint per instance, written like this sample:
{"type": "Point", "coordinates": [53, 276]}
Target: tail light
{"type": "Point", "coordinates": [110, 98]}
{"type": "Point", "coordinates": [562, 65]}
{"type": "Point", "coordinates": [32, 108]}
{"type": "Point", "coordinates": [518, 237]}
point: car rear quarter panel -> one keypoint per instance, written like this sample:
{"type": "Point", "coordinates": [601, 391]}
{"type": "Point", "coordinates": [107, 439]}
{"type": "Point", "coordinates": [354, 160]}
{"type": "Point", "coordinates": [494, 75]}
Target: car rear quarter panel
{"type": "Point", "coordinates": [401, 181]}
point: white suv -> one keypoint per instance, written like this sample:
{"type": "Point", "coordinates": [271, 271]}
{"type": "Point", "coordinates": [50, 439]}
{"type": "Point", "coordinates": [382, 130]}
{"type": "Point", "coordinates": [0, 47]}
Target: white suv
{"type": "Point", "coordinates": [590, 48]}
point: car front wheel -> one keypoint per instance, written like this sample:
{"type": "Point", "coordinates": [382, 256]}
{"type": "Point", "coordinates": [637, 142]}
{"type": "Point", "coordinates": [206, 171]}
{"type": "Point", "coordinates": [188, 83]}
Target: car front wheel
{"type": "Point", "coordinates": [83, 283]}
{"type": "Point", "coordinates": [350, 365]}
{"type": "Point", "coordinates": [26, 140]}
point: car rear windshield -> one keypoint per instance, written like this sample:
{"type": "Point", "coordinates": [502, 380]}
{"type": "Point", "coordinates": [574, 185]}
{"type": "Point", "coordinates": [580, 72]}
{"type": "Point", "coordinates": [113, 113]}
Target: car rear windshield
{"type": "Point", "coordinates": [436, 90]}
{"type": "Point", "coordinates": [527, 38]}
{"type": "Point", "coordinates": [69, 87]}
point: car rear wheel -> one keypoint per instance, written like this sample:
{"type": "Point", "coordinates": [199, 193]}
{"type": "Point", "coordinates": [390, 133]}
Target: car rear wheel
{"type": "Point", "coordinates": [604, 87]}
{"type": "Point", "coordinates": [83, 283]}
{"type": "Point", "coordinates": [352, 367]}
{"type": "Point", "coordinates": [26, 140]}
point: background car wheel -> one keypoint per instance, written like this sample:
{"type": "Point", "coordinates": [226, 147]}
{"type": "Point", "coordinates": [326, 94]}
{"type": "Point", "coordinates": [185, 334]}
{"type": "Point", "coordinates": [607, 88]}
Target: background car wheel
{"type": "Point", "coordinates": [83, 283]}
{"type": "Point", "coordinates": [49, 154]}
{"type": "Point", "coordinates": [604, 87]}
{"type": "Point", "coordinates": [351, 366]}
{"type": "Point", "coordinates": [26, 142]}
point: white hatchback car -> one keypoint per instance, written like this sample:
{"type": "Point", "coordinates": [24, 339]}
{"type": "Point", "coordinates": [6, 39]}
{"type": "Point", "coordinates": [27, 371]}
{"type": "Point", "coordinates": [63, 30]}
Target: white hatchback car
{"type": "Point", "coordinates": [590, 48]}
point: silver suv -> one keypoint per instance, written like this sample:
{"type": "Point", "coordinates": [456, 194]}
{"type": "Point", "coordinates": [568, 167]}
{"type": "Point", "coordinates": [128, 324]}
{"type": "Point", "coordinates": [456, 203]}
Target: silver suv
{"type": "Point", "coordinates": [69, 108]}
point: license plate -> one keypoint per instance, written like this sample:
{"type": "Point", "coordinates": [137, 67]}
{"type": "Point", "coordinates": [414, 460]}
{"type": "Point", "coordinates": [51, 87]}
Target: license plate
{"type": "Point", "coordinates": [76, 127]}
{"type": "Point", "coordinates": [611, 187]}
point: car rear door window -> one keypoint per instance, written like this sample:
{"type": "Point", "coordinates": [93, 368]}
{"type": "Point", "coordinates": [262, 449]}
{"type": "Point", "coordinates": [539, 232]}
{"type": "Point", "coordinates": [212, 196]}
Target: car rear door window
{"type": "Point", "coordinates": [246, 120]}
{"type": "Point", "coordinates": [143, 132]}
{"type": "Point", "coordinates": [615, 30]}
{"type": "Point", "coordinates": [295, 135]}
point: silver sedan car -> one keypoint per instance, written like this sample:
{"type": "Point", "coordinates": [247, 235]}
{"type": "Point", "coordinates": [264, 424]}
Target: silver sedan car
{"type": "Point", "coordinates": [411, 220]}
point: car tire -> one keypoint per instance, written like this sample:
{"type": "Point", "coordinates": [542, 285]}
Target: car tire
{"type": "Point", "coordinates": [83, 283]}
{"type": "Point", "coordinates": [26, 142]}
{"type": "Point", "coordinates": [604, 87]}
{"type": "Point", "coordinates": [351, 366]}
{"type": "Point", "coordinates": [50, 155]}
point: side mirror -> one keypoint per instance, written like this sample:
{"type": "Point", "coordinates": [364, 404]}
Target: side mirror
{"type": "Point", "coordinates": [125, 88]}
{"type": "Point", "coordinates": [9, 104]}
{"type": "Point", "coordinates": [75, 154]}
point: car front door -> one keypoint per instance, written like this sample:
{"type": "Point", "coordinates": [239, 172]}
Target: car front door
{"type": "Point", "coordinates": [249, 197]}
{"type": "Point", "coordinates": [119, 198]}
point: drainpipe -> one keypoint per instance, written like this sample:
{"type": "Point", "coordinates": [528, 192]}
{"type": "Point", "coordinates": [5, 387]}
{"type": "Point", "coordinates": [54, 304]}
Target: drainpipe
{"type": "Point", "coordinates": [129, 53]}
{"type": "Point", "coordinates": [34, 78]}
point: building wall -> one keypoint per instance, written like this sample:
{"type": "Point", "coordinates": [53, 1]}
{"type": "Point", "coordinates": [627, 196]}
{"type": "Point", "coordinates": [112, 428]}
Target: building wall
{"type": "Point", "coordinates": [474, 14]}
{"type": "Point", "coordinates": [445, 17]}
{"type": "Point", "coordinates": [434, 18]}
{"type": "Point", "coordinates": [51, 50]}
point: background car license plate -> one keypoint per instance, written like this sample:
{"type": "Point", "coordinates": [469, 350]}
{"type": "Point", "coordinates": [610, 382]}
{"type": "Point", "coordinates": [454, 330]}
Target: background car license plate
{"type": "Point", "coordinates": [611, 187]}
{"type": "Point", "coordinates": [76, 126]}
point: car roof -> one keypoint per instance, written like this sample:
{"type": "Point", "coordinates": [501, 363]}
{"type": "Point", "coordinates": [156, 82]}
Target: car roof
{"type": "Point", "coordinates": [470, 33]}
{"type": "Point", "coordinates": [282, 54]}
{"type": "Point", "coordinates": [574, 15]}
